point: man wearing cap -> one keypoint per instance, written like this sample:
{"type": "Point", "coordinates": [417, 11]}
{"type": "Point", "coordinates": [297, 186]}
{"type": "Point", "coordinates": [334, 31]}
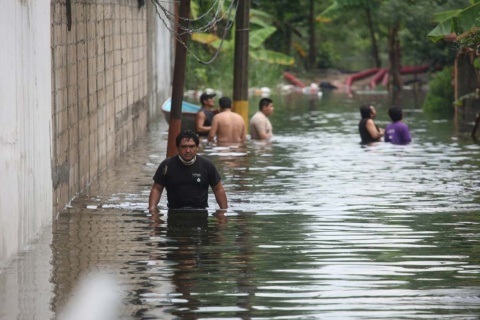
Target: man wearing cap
{"type": "Point", "coordinates": [227, 125]}
{"type": "Point", "coordinates": [203, 121]}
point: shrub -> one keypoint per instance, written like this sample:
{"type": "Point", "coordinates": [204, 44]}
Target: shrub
{"type": "Point", "coordinates": [440, 96]}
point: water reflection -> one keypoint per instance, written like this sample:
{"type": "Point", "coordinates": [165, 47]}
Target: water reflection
{"type": "Point", "coordinates": [319, 226]}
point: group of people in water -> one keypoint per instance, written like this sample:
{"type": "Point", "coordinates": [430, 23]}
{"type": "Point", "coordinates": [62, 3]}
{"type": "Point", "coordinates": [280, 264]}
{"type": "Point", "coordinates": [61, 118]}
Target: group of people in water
{"type": "Point", "coordinates": [396, 132]}
{"type": "Point", "coordinates": [187, 176]}
{"type": "Point", "coordinates": [227, 126]}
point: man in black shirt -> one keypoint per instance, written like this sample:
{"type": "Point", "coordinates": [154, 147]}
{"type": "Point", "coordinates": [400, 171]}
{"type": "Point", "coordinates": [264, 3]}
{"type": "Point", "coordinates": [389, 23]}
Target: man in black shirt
{"type": "Point", "coordinates": [186, 177]}
{"type": "Point", "coordinates": [203, 120]}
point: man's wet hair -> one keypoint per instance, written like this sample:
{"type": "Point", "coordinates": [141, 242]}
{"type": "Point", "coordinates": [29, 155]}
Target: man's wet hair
{"type": "Point", "coordinates": [264, 102]}
{"type": "Point", "coordinates": [395, 113]}
{"type": "Point", "coordinates": [189, 135]}
{"type": "Point", "coordinates": [365, 111]}
{"type": "Point", "coordinates": [225, 102]}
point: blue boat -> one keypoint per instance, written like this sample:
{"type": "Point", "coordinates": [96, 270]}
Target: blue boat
{"type": "Point", "coordinates": [189, 113]}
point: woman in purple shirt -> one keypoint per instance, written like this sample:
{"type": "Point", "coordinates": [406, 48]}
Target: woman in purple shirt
{"type": "Point", "coordinates": [397, 131]}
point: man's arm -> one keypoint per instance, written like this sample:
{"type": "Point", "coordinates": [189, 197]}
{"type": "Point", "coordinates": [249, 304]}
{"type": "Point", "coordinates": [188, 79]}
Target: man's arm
{"type": "Point", "coordinates": [155, 195]}
{"type": "Point", "coordinates": [199, 121]}
{"type": "Point", "coordinates": [213, 129]}
{"type": "Point", "coordinates": [263, 134]}
{"type": "Point", "coordinates": [220, 195]}
{"type": "Point", "coordinates": [261, 131]}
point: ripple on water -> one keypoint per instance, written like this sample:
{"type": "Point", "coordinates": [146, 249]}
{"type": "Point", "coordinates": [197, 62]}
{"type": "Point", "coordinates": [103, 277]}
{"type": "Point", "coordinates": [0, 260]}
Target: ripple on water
{"type": "Point", "coordinates": [319, 227]}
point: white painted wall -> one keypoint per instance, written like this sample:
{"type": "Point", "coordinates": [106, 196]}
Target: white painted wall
{"type": "Point", "coordinates": [25, 123]}
{"type": "Point", "coordinates": [163, 58]}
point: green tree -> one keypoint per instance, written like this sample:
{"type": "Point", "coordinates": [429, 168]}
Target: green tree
{"type": "Point", "coordinates": [260, 31]}
{"type": "Point", "coordinates": [463, 23]}
{"type": "Point", "coordinates": [401, 24]}
{"type": "Point", "coordinates": [368, 9]}
{"type": "Point", "coordinates": [213, 44]}
{"type": "Point", "coordinates": [285, 15]}
{"type": "Point", "coordinates": [440, 97]}
{"type": "Point", "coordinates": [298, 30]}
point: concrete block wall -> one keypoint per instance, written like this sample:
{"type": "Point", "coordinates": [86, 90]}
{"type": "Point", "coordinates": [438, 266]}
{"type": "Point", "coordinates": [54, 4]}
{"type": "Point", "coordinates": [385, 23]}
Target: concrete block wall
{"type": "Point", "coordinates": [71, 100]}
{"type": "Point", "coordinates": [101, 88]}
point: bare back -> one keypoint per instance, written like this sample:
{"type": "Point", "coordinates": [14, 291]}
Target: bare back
{"type": "Point", "coordinates": [228, 126]}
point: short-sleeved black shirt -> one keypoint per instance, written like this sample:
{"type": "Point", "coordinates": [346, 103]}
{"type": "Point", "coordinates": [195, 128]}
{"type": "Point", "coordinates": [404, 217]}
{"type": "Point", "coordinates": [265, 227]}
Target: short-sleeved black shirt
{"type": "Point", "coordinates": [187, 186]}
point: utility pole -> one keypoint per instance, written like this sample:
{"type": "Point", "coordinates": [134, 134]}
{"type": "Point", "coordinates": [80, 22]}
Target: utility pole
{"type": "Point", "coordinates": [240, 68]}
{"type": "Point", "coordinates": [175, 121]}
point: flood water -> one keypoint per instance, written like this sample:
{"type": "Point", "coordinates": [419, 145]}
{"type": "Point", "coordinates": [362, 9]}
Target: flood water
{"type": "Point", "coordinates": [319, 227]}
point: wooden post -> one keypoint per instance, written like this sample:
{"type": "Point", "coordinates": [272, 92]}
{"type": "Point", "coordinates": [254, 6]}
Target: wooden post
{"type": "Point", "coordinates": [175, 121]}
{"type": "Point", "coordinates": [477, 121]}
{"type": "Point", "coordinates": [240, 68]}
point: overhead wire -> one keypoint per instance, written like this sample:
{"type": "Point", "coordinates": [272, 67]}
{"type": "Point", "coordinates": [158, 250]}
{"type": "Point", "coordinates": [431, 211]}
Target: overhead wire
{"type": "Point", "coordinates": [170, 19]}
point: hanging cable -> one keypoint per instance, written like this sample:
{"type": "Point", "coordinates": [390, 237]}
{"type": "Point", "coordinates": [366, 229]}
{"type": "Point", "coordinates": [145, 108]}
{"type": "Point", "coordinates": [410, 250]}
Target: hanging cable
{"type": "Point", "coordinates": [169, 19]}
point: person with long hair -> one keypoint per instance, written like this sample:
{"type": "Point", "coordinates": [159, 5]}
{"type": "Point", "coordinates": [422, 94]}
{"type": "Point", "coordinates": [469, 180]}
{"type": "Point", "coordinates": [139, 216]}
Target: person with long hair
{"type": "Point", "coordinates": [369, 131]}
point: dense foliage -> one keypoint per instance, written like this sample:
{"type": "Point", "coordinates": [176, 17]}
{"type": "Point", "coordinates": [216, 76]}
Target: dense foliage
{"type": "Point", "coordinates": [440, 96]}
{"type": "Point", "coordinates": [354, 35]}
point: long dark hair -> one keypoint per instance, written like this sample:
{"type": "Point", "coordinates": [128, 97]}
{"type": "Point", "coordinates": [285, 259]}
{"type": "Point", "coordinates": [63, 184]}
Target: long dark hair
{"type": "Point", "coordinates": [366, 111]}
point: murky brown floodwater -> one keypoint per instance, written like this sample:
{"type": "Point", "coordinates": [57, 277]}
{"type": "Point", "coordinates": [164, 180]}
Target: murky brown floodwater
{"type": "Point", "coordinates": [319, 228]}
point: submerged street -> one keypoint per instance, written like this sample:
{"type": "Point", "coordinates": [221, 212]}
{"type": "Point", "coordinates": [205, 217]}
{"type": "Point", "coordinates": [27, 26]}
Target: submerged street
{"type": "Point", "coordinates": [319, 227]}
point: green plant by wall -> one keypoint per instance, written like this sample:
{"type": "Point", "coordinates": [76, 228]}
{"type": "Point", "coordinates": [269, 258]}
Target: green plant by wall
{"type": "Point", "coordinates": [440, 97]}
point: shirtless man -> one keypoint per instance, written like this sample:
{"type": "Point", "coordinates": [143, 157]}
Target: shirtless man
{"type": "Point", "coordinates": [227, 125]}
{"type": "Point", "coordinates": [204, 117]}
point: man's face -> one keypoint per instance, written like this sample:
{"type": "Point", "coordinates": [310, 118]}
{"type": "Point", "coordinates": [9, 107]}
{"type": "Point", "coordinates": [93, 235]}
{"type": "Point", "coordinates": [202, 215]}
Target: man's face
{"type": "Point", "coordinates": [268, 110]}
{"type": "Point", "coordinates": [209, 102]}
{"type": "Point", "coordinates": [187, 149]}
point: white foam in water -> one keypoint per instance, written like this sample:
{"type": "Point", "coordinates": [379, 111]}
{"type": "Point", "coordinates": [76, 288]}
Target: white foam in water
{"type": "Point", "coordinates": [97, 297]}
